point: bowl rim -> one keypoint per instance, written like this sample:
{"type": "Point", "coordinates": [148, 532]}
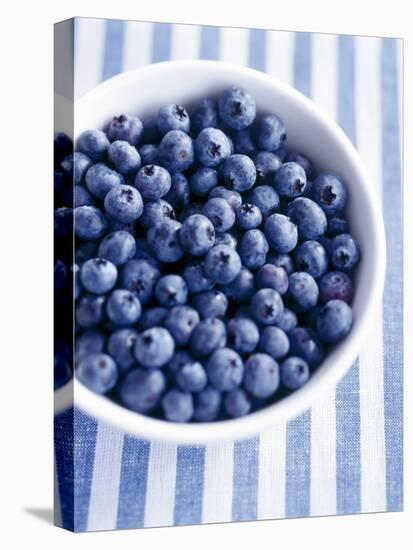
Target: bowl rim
{"type": "Point", "coordinates": [295, 403]}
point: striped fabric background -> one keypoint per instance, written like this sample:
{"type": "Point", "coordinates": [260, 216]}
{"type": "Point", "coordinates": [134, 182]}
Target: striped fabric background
{"type": "Point", "coordinates": [345, 454]}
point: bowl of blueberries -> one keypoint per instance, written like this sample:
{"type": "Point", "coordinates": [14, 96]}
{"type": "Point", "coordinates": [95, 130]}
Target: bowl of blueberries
{"type": "Point", "coordinates": [229, 252]}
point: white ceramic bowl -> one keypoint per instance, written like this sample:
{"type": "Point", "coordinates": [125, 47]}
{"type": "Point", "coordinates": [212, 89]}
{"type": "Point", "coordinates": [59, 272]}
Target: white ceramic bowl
{"type": "Point", "coordinates": [142, 92]}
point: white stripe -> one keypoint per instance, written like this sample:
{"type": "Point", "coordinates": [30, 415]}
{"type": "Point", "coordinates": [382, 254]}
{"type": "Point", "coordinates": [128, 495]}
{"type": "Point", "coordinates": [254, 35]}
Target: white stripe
{"type": "Point", "coordinates": [89, 51]}
{"type": "Point", "coordinates": [104, 493]}
{"type": "Point", "coordinates": [323, 412]}
{"type": "Point", "coordinates": [160, 490]}
{"type": "Point", "coordinates": [57, 511]}
{"type": "Point", "coordinates": [368, 128]}
{"type": "Point", "coordinates": [280, 54]}
{"type": "Point", "coordinates": [234, 45]}
{"type": "Point", "coordinates": [138, 45]}
{"type": "Point", "coordinates": [271, 478]}
{"type": "Point", "coordinates": [185, 42]}
{"type": "Point", "coordinates": [217, 497]}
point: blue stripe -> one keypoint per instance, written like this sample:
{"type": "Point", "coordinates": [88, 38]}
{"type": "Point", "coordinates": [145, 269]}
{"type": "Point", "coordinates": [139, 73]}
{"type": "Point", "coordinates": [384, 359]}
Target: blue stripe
{"type": "Point", "coordinates": [209, 43]}
{"type": "Point", "coordinates": [245, 480]}
{"type": "Point", "coordinates": [63, 449]}
{"type": "Point", "coordinates": [189, 485]}
{"type": "Point", "coordinates": [298, 466]}
{"type": "Point", "coordinates": [112, 58]}
{"type": "Point", "coordinates": [393, 292]}
{"type": "Point", "coordinates": [133, 480]}
{"type": "Point", "coordinates": [346, 111]}
{"type": "Point", "coordinates": [85, 430]}
{"type": "Point", "coordinates": [258, 49]}
{"type": "Point", "coordinates": [302, 62]}
{"type": "Point", "coordinates": [161, 42]}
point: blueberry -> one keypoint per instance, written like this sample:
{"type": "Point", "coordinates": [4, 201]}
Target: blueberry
{"type": "Point", "coordinates": [242, 335]}
{"type": "Point", "coordinates": [60, 275]}
{"type": "Point", "coordinates": [90, 341]}
{"type": "Point", "coordinates": [242, 288]}
{"type": "Point", "coordinates": [90, 311]}
{"type": "Point", "coordinates": [274, 342]}
{"type": "Point", "coordinates": [153, 182]}
{"type": "Point", "coordinates": [207, 404]}
{"type": "Point", "coordinates": [153, 317]}
{"type": "Point", "coordinates": [179, 195]}
{"type": "Point", "coordinates": [116, 225]}
{"type": "Point", "coordinates": [208, 335]}
{"type": "Point", "coordinates": [281, 260]}
{"type": "Point", "coordinates": [139, 276]}
{"type": "Point", "coordinates": [287, 320]}
{"type": "Point", "coordinates": [144, 252]}
{"type": "Point", "coordinates": [227, 239]}
{"type": "Point", "coordinates": [248, 216]}
{"type": "Point", "coordinates": [142, 389]}
{"type": "Point", "coordinates": [311, 257]}
{"type": "Point", "coordinates": [344, 252]}
{"type": "Point", "coordinates": [120, 347]}
{"type": "Point", "coordinates": [195, 278]}
{"type": "Point", "coordinates": [262, 375]}
{"type": "Point", "coordinates": [243, 142]}
{"type": "Point", "coordinates": [330, 193]}
{"type": "Point", "coordinates": [302, 160]}
{"type": "Point", "coordinates": [62, 146]}
{"type": "Point", "coordinates": [212, 147]}
{"type": "Point", "coordinates": [76, 166]}
{"type": "Point", "coordinates": [171, 290]}
{"type": "Point", "coordinates": [305, 344]}
{"type": "Point", "coordinates": [100, 179]}
{"type": "Point", "coordinates": [98, 372]}
{"type": "Point", "coordinates": [220, 213]}
{"type": "Point", "coordinates": [82, 197]}
{"type": "Point", "coordinates": [239, 173]}
{"type": "Point", "coordinates": [266, 198]}
{"type": "Point", "coordinates": [269, 132]}
{"type": "Point", "coordinates": [210, 303]}
{"type": "Point", "coordinates": [335, 285]}
{"type": "Point", "coordinates": [165, 242]}
{"type": "Point", "coordinates": [173, 117]}
{"type": "Point", "coordinates": [253, 249]}
{"type": "Point", "coordinates": [204, 115]}
{"type": "Point", "coordinates": [124, 158]}
{"type": "Point", "coordinates": [281, 153]}
{"type": "Point", "coordinates": [237, 403]}
{"type": "Point", "coordinates": [156, 212]}
{"type": "Point", "coordinates": [77, 285]}
{"type": "Point", "coordinates": [179, 359]}
{"type": "Point", "coordinates": [94, 144]}
{"type": "Point", "coordinates": [123, 307]}
{"type": "Point", "coordinates": [86, 250]}
{"type": "Point", "coordinates": [225, 369]}
{"type": "Point", "coordinates": [98, 275]}
{"type": "Point", "coordinates": [203, 180]}
{"type": "Point", "coordinates": [176, 151]}
{"type": "Point", "coordinates": [266, 165]}
{"type": "Point", "coordinates": [125, 128]}
{"type": "Point", "coordinates": [222, 264]}
{"type": "Point", "coordinates": [124, 203]}
{"type": "Point", "coordinates": [178, 406]}
{"type": "Point", "coordinates": [290, 180]}
{"type": "Point", "coordinates": [148, 154]}
{"type": "Point", "coordinates": [197, 235]}
{"type": "Point", "coordinates": [281, 233]}
{"type": "Point", "coordinates": [309, 218]}
{"type": "Point", "coordinates": [118, 247]}
{"type": "Point", "coordinates": [337, 225]}
{"type": "Point", "coordinates": [154, 347]}
{"type": "Point", "coordinates": [62, 372]}
{"type": "Point", "coordinates": [63, 222]}
{"type": "Point", "coordinates": [192, 377]}
{"type": "Point", "coordinates": [334, 321]}
{"type": "Point", "coordinates": [266, 306]}
{"type": "Point", "coordinates": [232, 197]}
{"type": "Point", "coordinates": [237, 108]}
{"type": "Point", "coordinates": [271, 276]}
{"type": "Point", "coordinates": [90, 223]}
{"type": "Point", "coordinates": [302, 292]}
{"type": "Point", "coordinates": [181, 321]}
{"type": "Point", "coordinates": [294, 373]}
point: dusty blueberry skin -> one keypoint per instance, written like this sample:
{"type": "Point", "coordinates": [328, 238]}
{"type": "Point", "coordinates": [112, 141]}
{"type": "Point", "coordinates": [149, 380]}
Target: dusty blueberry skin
{"type": "Point", "coordinates": [212, 147]}
{"type": "Point", "coordinates": [210, 303]}
{"type": "Point", "coordinates": [155, 212]}
{"type": "Point", "coordinates": [142, 389]}
{"type": "Point", "coordinates": [262, 376]}
{"type": "Point", "coordinates": [165, 242]}
{"type": "Point", "coordinates": [222, 264]}
{"type": "Point", "coordinates": [242, 335]}
{"type": "Point", "coordinates": [237, 108]}
{"type": "Point", "coordinates": [125, 128]}
{"type": "Point", "coordinates": [281, 233]}
{"type": "Point", "coordinates": [302, 160]}
{"type": "Point", "coordinates": [154, 347]}
{"type": "Point", "coordinates": [227, 239]}
{"type": "Point", "coordinates": [173, 117]}
{"type": "Point", "coordinates": [75, 166]}
{"type": "Point", "coordinates": [203, 180]}
{"type": "Point", "coordinates": [334, 321]}
{"type": "Point", "coordinates": [240, 289]}
{"type": "Point", "coordinates": [271, 276]}
{"type": "Point", "coordinates": [124, 158]}
{"type": "Point", "coordinates": [197, 235]}
{"type": "Point", "coordinates": [204, 115]}
{"type": "Point", "coordinates": [98, 275]}
{"type": "Point", "coordinates": [270, 133]}
{"type": "Point", "coordinates": [335, 285]}
{"type": "Point", "coordinates": [287, 320]}
{"type": "Point", "coordinates": [304, 343]}
{"type": "Point", "coordinates": [207, 404]}
{"type": "Point", "coordinates": [90, 310]}
{"type": "Point", "coordinates": [153, 182]}
{"type": "Point", "coordinates": [192, 377]}
{"type": "Point", "coordinates": [243, 142]}
{"type": "Point", "coordinates": [336, 225]}
{"type": "Point", "coordinates": [82, 197]}
{"type": "Point", "coordinates": [309, 218]}
{"type": "Point", "coordinates": [148, 154]}
{"type": "Point", "coordinates": [90, 341]}
{"type": "Point", "coordinates": [248, 216]}
{"type": "Point", "coordinates": [237, 403]}
{"type": "Point", "coordinates": [208, 335]}
{"type": "Point", "coordinates": [266, 306]}
{"type": "Point", "coordinates": [302, 294]}
{"type": "Point", "coordinates": [94, 144]}
{"type": "Point", "coordinates": [98, 372]}
{"type": "Point", "coordinates": [153, 317]}
{"type": "Point", "coordinates": [220, 213]}
{"type": "Point", "coordinates": [225, 369]}
{"type": "Point", "coordinates": [266, 165]}
{"type": "Point", "coordinates": [123, 308]}
{"type": "Point", "coordinates": [100, 179]}
{"type": "Point", "coordinates": [253, 249]}
{"type": "Point", "coordinates": [195, 278]}
{"type": "Point", "coordinates": [294, 373]}
{"type": "Point", "coordinates": [181, 321]}
{"type": "Point", "coordinates": [239, 173]}
{"type": "Point", "coordinates": [290, 180]}
{"type": "Point", "coordinates": [176, 151]}
{"type": "Point", "coordinates": [140, 277]}
{"type": "Point", "coordinates": [171, 290]}
{"type": "Point", "coordinates": [265, 198]}
{"type": "Point", "coordinates": [178, 406]}
{"type": "Point", "coordinates": [274, 342]}
{"type": "Point", "coordinates": [124, 203]}
{"type": "Point", "coordinates": [179, 194]}
{"type": "Point", "coordinates": [311, 257]}
{"type": "Point", "coordinates": [330, 193]}
{"type": "Point", "coordinates": [120, 347]}
{"type": "Point", "coordinates": [118, 247]}
{"type": "Point", "coordinates": [344, 253]}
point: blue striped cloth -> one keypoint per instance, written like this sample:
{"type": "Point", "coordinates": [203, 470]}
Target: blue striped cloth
{"type": "Point", "coordinates": [345, 454]}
